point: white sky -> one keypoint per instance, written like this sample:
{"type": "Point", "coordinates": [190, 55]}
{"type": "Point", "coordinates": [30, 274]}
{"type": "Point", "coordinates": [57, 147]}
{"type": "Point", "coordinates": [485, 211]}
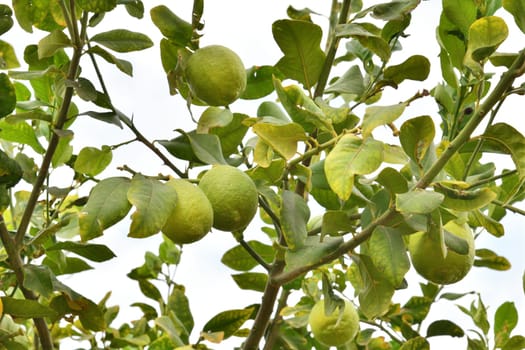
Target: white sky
{"type": "Point", "coordinates": [245, 27]}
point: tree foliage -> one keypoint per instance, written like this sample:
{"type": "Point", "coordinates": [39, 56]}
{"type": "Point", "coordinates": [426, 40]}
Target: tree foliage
{"type": "Point", "coordinates": [337, 203]}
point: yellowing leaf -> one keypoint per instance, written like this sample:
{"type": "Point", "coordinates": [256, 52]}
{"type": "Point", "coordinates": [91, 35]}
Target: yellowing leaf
{"type": "Point", "coordinates": [283, 138]}
{"type": "Point", "coordinates": [485, 36]}
{"type": "Point", "coordinates": [380, 115]}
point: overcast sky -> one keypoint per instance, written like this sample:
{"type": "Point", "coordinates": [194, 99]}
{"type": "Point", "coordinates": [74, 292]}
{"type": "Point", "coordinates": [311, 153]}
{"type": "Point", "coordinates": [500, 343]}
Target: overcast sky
{"type": "Point", "coordinates": [245, 27]}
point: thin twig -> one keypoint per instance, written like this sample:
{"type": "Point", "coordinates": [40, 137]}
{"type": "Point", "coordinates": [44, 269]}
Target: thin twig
{"type": "Point", "coordinates": [254, 254]}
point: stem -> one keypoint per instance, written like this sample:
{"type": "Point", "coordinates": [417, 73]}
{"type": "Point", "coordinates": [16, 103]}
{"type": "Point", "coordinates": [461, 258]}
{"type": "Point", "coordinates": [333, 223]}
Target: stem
{"type": "Point", "coordinates": [17, 265]}
{"type": "Point", "coordinates": [254, 254]}
{"type": "Point", "coordinates": [509, 207]}
{"type": "Point", "coordinates": [273, 332]}
{"type": "Point", "coordinates": [492, 179]}
{"type": "Point", "coordinates": [463, 136]}
{"type": "Point", "coordinates": [53, 143]}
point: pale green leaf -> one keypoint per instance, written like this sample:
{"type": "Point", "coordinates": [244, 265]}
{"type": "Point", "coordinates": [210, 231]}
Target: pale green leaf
{"type": "Point", "coordinates": [20, 132]}
{"type": "Point", "coordinates": [300, 42]}
{"type": "Point", "coordinates": [239, 259]}
{"type": "Point", "coordinates": [312, 250]}
{"type": "Point", "coordinates": [123, 40]}
{"type": "Point", "coordinates": [92, 161]}
{"type": "Point", "coordinates": [107, 205]}
{"type": "Point", "coordinates": [283, 138]}
{"type": "Point", "coordinates": [416, 343]}
{"type": "Point", "coordinates": [154, 201]}
{"type": "Point", "coordinates": [351, 82]}
{"type": "Point", "coordinates": [376, 294]}
{"type": "Point", "coordinates": [51, 43]}
{"type": "Point", "coordinates": [416, 136]}
{"type": "Point", "coordinates": [206, 147]}
{"type": "Point", "coordinates": [350, 156]}
{"type": "Point", "coordinates": [505, 320]}
{"type": "Point", "coordinates": [251, 281]}
{"type": "Point", "coordinates": [380, 115]}
{"type": "Point", "coordinates": [510, 141]}
{"type": "Point", "coordinates": [213, 117]}
{"type": "Point", "coordinates": [418, 201]}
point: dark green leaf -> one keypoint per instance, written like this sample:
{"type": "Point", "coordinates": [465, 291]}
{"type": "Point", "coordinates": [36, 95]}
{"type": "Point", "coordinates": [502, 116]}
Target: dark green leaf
{"type": "Point", "coordinates": [228, 322]}
{"type": "Point", "coordinates": [351, 82]}
{"type": "Point", "coordinates": [415, 67]}
{"type": "Point", "coordinates": [91, 315]}
{"type": "Point", "coordinates": [251, 280]}
{"type": "Point", "coordinates": [259, 82]}
{"type": "Point", "coordinates": [93, 252]}
{"type": "Point", "coordinates": [300, 42]}
{"type": "Point", "coordinates": [444, 327]}
{"type": "Point", "coordinates": [123, 65]}
{"type": "Point", "coordinates": [179, 304]}
{"type": "Point", "coordinates": [149, 311]}
{"type": "Point", "coordinates": [135, 8]}
{"type": "Point", "coordinates": [488, 258]}
{"type": "Point", "coordinates": [7, 96]}
{"type": "Point", "coordinates": [10, 171]}
{"type": "Point", "coordinates": [171, 25]}
{"type": "Point", "coordinates": [106, 117]}
{"type": "Point", "coordinates": [312, 250]}
{"type": "Point", "coordinates": [38, 279]}
{"type": "Point", "coordinates": [294, 214]}
{"type": "Point", "coordinates": [122, 40]}
{"type": "Point", "coordinates": [516, 342]}
{"type": "Point", "coordinates": [510, 141]}
{"type": "Point", "coordinates": [150, 290]}
{"type": "Point", "coordinates": [23, 308]}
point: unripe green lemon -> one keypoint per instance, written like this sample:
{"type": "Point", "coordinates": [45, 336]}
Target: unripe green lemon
{"type": "Point", "coordinates": [192, 217]}
{"type": "Point", "coordinates": [334, 329]}
{"type": "Point", "coordinates": [426, 257]}
{"type": "Point", "coordinates": [232, 195]}
{"type": "Point", "coordinates": [216, 75]}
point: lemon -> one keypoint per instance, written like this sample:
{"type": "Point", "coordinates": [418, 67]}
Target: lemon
{"type": "Point", "coordinates": [426, 256]}
{"type": "Point", "coordinates": [216, 75]}
{"type": "Point", "coordinates": [334, 329]}
{"type": "Point", "coordinates": [192, 217]}
{"type": "Point", "coordinates": [232, 195]}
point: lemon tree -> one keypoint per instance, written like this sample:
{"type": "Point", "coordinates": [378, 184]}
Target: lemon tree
{"type": "Point", "coordinates": [353, 147]}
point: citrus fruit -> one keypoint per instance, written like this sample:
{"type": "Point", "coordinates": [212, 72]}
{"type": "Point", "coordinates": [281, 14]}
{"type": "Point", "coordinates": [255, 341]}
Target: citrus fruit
{"type": "Point", "coordinates": [232, 195]}
{"type": "Point", "coordinates": [428, 261]}
{"type": "Point", "coordinates": [334, 329]}
{"type": "Point", "coordinates": [192, 217]}
{"type": "Point", "coordinates": [216, 75]}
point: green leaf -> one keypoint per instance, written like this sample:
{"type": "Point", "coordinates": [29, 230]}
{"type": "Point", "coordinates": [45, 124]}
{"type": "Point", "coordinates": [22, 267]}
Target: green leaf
{"type": "Point", "coordinates": [417, 343]}
{"type": "Point", "coordinates": [122, 40]}
{"type": "Point", "coordinates": [123, 65]}
{"type": "Point", "coordinates": [505, 320]}
{"type": "Point", "coordinates": [444, 327]}
{"type": "Point", "coordinates": [179, 304]}
{"type": "Point", "coordinates": [517, 342]}
{"type": "Point", "coordinates": [167, 324]}
{"type": "Point", "coordinates": [213, 117]}
{"type": "Point", "coordinates": [169, 253]}
{"type": "Point", "coordinates": [464, 200]}
{"type": "Point", "coordinates": [135, 8]}
{"type": "Point", "coordinates": [377, 292]}
{"type": "Point", "coordinates": [301, 108]}
{"type": "Point", "coordinates": [93, 252]}
{"type": "Point", "coordinates": [239, 259]}
{"type": "Point", "coordinates": [23, 308]}
{"type": "Point", "coordinates": [368, 35]}
{"type": "Point", "coordinates": [351, 156]}
{"type": "Point", "coordinates": [294, 215]}
{"type": "Point", "coordinates": [171, 26]}
{"type": "Point", "coordinates": [336, 221]}
{"type": "Point", "coordinates": [149, 290]}
{"type": "Point", "coordinates": [312, 250]}
{"type": "Point", "coordinates": [283, 138]}
{"type": "Point", "coordinates": [351, 83]}
{"type": "Point", "coordinates": [416, 136]}
{"type": "Point", "coordinates": [20, 132]}
{"type": "Point", "coordinates": [259, 82]}
{"type": "Point", "coordinates": [392, 180]}
{"type": "Point", "coordinates": [64, 150]}
{"type": "Point", "coordinates": [394, 10]}
{"type": "Point", "coordinates": [494, 227]}
{"type": "Point", "coordinates": [380, 115]}
{"type": "Point", "coordinates": [10, 171]}
{"type": "Point", "coordinates": [386, 249]}
{"type": "Point", "coordinates": [487, 258]}
{"type": "Point", "coordinates": [92, 161]}
{"type": "Point", "coordinates": [51, 43]}
{"type": "Point", "coordinates": [231, 136]}
{"type": "Point", "coordinates": [460, 13]}
{"type": "Point", "coordinates": [91, 315]}
{"type": "Point", "coordinates": [154, 201]}
{"type": "Point", "coordinates": [510, 141]}
{"type": "Point", "coordinates": [485, 36]}
{"type": "Point", "coordinates": [8, 56]}
{"type": "Point", "coordinates": [251, 281]}
{"type": "Point", "coordinates": [7, 96]}
{"type": "Point", "coordinates": [107, 204]}
{"type": "Point", "coordinates": [38, 279]}
{"type": "Point", "coordinates": [300, 42]}
{"type": "Point", "coordinates": [228, 322]}
{"type": "Point", "coordinates": [415, 67]}
{"type": "Point", "coordinates": [418, 201]}
{"type": "Point", "coordinates": [517, 9]}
